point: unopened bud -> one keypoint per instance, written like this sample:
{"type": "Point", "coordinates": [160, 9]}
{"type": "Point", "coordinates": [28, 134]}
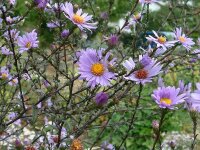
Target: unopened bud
{"type": "Point", "coordinates": [155, 124]}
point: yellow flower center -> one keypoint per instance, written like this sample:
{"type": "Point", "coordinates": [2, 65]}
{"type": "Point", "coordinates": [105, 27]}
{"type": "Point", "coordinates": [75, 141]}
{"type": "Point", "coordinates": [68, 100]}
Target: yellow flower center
{"type": "Point", "coordinates": [137, 16]}
{"type": "Point", "coordinates": [78, 19]}
{"type": "Point", "coordinates": [162, 39]}
{"type": "Point", "coordinates": [141, 74]}
{"type": "Point", "coordinates": [28, 45]}
{"type": "Point", "coordinates": [182, 39]}
{"type": "Point", "coordinates": [4, 75]}
{"type": "Point", "coordinates": [166, 101]}
{"type": "Point", "coordinates": [97, 69]}
{"type": "Point", "coordinates": [14, 81]}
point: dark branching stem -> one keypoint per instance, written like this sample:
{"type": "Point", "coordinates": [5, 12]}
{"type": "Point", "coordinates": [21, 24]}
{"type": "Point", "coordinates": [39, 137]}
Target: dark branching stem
{"type": "Point", "coordinates": [194, 120]}
{"type": "Point", "coordinates": [163, 113]}
{"type": "Point", "coordinates": [133, 117]}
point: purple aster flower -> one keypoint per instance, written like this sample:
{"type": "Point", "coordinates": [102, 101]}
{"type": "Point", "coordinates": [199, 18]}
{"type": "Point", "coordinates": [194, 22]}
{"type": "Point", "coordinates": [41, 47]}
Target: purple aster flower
{"type": "Point", "coordinates": [28, 41]}
{"type": "Point", "coordinates": [65, 33]}
{"type": "Point", "coordinates": [155, 124]}
{"type": "Point", "coordinates": [4, 73]}
{"type": "Point", "coordinates": [6, 51]}
{"type": "Point", "coordinates": [183, 39]}
{"type": "Point", "coordinates": [144, 73]}
{"type": "Point", "coordinates": [134, 19]}
{"type": "Point", "coordinates": [104, 15]}
{"type": "Point", "coordinates": [41, 3]}
{"type": "Point", "coordinates": [12, 116]}
{"type": "Point", "coordinates": [194, 101]}
{"type": "Point", "coordinates": [184, 88]}
{"type": "Point", "coordinates": [198, 41]}
{"type": "Point", "coordinates": [18, 143]}
{"type": "Point", "coordinates": [79, 18]}
{"type": "Point", "coordinates": [101, 98]}
{"type": "Point", "coordinates": [93, 67]}
{"type": "Point", "coordinates": [14, 34]}
{"type": "Point", "coordinates": [112, 40]}
{"type": "Point", "coordinates": [145, 60]}
{"type": "Point", "coordinates": [161, 41]}
{"type": "Point", "coordinates": [168, 97]}
{"type": "Point", "coordinates": [147, 1]}
{"type": "Point", "coordinates": [197, 51]}
{"type": "Point", "coordinates": [13, 81]}
{"type": "Point", "coordinates": [49, 102]}
{"type": "Point", "coordinates": [107, 146]}
{"type": "Point", "coordinates": [53, 24]}
{"type": "Point", "coordinates": [12, 2]}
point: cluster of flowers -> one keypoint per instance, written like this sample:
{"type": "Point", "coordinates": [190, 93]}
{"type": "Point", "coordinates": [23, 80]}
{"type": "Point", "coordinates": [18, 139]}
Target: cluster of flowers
{"type": "Point", "coordinates": [96, 66]}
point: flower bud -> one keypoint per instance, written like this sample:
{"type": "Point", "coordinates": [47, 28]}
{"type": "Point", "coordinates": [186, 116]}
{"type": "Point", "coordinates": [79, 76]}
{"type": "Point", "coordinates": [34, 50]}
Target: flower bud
{"type": "Point", "coordinates": [101, 98]}
{"type": "Point", "coordinates": [155, 124]}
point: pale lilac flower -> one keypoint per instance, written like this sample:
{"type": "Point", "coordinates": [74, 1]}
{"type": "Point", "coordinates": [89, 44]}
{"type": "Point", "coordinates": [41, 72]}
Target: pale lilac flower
{"type": "Point", "coordinates": [161, 41]}
{"type": "Point", "coordinates": [143, 74]}
{"type": "Point", "coordinates": [12, 2]}
{"type": "Point", "coordinates": [135, 19]}
{"type": "Point", "coordinates": [194, 101]}
{"type": "Point", "coordinates": [12, 116]}
{"type": "Point", "coordinates": [160, 51]}
{"type": "Point", "coordinates": [198, 41]}
{"type": "Point", "coordinates": [26, 76]}
{"type": "Point", "coordinates": [13, 81]}
{"type": "Point", "coordinates": [4, 73]}
{"type": "Point", "coordinates": [168, 97]}
{"type": "Point", "coordinates": [49, 102]}
{"type": "Point", "coordinates": [41, 3]}
{"type": "Point", "coordinates": [184, 88]}
{"type": "Point", "coordinates": [64, 33]}
{"type": "Point", "coordinates": [93, 67]}
{"type": "Point", "coordinates": [155, 124]}
{"type": "Point", "coordinates": [197, 51]}
{"type": "Point", "coordinates": [145, 60]}
{"type": "Point", "coordinates": [101, 98]}
{"type": "Point", "coordinates": [104, 15]}
{"type": "Point", "coordinates": [1, 20]}
{"type": "Point", "coordinates": [112, 40]}
{"type": "Point", "coordinates": [28, 41]}
{"type": "Point", "coordinates": [183, 39]}
{"type": "Point", "coordinates": [147, 1]}
{"type": "Point", "coordinates": [6, 51]}
{"type": "Point", "coordinates": [107, 146]}
{"type": "Point", "coordinates": [79, 18]}
{"type": "Point", "coordinates": [160, 82]}
{"type": "Point", "coordinates": [53, 24]}
{"type": "Point", "coordinates": [14, 34]}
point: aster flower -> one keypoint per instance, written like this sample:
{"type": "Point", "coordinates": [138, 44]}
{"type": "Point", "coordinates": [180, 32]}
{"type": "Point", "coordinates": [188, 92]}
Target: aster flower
{"type": "Point", "coordinates": [145, 72]}
{"type": "Point", "coordinates": [147, 1]}
{"type": "Point", "coordinates": [197, 52]}
{"type": "Point", "coordinates": [13, 81]}
{"type": "Point", "coordinates": [101, 98]}
{"type": "Point", "coordinates": [6, 51]}
{"type": "Point", "coordinates": [12, 2]}
{"type": "Point", "coordinates": [183, 39]}
{"type": "Point", "coordinates": [53, 24]}
{"type": "Point", "coordinates": [64, 33]}
{"type": "Point", "coordinates": [194, 101]}
{"type": "Point", "coordinates": [28, 41]}
{"type": "Point", "coordinates": [168, 97]}
{"type": "Point", "coordinates": [12, 116]}
{"type": "Point", "coordinates": [79, 18]}
{"type": "Point", "coordinates": [198, 41]}
{"type": "Point", "coordinates": [14, 34]}
{"type": "Point", "coordinates": [112, 40]}
{"type": "Point", "coordinates": [41, 3]}
{"type": "Point", "coordinates": [161, 41]}
{"type": "Point", "coordinates": [93, 67]}
{"type": "Point", "coordinates": [4, 73]}
{"type": "Point", "coordinates": [135, 19]}
{"type": "Point", "coordinates": [107, 146]}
